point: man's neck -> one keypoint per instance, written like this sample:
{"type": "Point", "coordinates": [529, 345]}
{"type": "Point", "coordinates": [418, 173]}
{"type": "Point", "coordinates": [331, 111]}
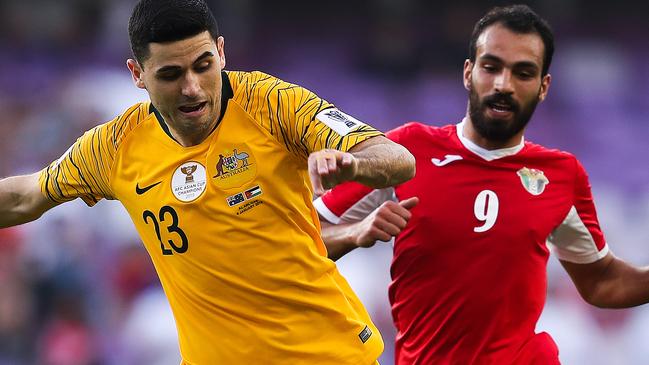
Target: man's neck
{"type": "Point", "coordinates": [191, 139]}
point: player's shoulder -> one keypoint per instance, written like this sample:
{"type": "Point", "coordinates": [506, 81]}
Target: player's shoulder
{"type": "Point", "coordinates": [412, 131]}
{"type": "Point", "coordinates": [136, 113]}
{"type": "Point", "coordinates": [121, 126]}
{"type": "Point", "coordinates": [552, 156]}
{"type": "Point", "coordinates": [538, 149]}
{"type": "Point", "coordinates": [243, 81]}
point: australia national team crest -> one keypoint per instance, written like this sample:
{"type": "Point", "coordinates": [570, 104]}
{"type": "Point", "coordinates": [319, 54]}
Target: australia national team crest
{"type": "Point", "coordinates": [189, 181]}
{"type": "Point", "coordinates": [232, 167]}
{"type": "Point", "coordinates": [533, 180]}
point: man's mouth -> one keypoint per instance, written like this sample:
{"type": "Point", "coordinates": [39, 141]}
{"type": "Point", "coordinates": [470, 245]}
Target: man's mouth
{"type": "Point", "coordinates": [192, 108]}
{"type": "Point", "coordinates": [501, 107]}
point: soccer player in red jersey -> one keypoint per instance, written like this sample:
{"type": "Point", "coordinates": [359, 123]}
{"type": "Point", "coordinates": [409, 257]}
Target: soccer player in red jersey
{"type": "Point", "coordinates": [475, 227]}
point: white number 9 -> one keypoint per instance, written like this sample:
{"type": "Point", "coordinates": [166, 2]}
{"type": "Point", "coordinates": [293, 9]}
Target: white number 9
{"type": "Point", "coordinates": [486, 210]}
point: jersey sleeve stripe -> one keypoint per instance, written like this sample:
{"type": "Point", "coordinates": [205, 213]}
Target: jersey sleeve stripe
{"type": "Point", "coordinates": [572, 241]}
{"type": "Point", "coordinates": [123, 123]}
{"type": "Point", "coordinates": [96, 160]}
{"type": "Point", "coordinates": [344, 196]}
{"type": "Point", "coordinates": [47, 182]}
{"type": "Point", "coordinates": [282, 127]}
{"type": "Point", "coordinates": [324, 211]}
{"type": "Point", "coordinates": [81, 176]}
{"type": "Point", "coordinates": [352, 202]}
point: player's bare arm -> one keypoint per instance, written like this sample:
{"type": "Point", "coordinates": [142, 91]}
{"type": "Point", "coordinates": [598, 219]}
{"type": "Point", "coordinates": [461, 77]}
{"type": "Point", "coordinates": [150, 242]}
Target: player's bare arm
{"type": "Point", "coordinates": [610, 282]}
{"type": "Point", "coordinates": [21, 200]}
{"type": "Point", "coordinates": [376, 162]}
{"type": "Point", "coordinates": [382, 224]}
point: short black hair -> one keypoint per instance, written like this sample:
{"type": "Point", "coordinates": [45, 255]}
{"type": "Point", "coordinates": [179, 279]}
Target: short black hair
{"type": "Point", "coordinates": [519, 19]}
{"type": "Point", "coordinates": [162, 21]}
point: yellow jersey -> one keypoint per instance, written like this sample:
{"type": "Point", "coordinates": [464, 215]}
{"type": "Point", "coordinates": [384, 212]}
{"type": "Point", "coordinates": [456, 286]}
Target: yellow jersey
{"type": "Point", "coordinates": [229, 223]}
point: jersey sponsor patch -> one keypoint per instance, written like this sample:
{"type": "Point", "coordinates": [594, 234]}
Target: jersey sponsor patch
{"type": "Point", "coordinates": [338, 121]}
{"type": "Point", "coordinates": [365, 334]}
{"type": "Point", "coordinates": [189, 181]}
{"type": "Point", "coordinates": [533, 180]}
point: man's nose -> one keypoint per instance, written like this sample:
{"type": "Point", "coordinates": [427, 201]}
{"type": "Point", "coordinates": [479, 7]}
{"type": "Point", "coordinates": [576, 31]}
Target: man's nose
{"type": "Point", "coordinates": [503, 82]}
{"type": "Point", "coordinates": [190, 86]}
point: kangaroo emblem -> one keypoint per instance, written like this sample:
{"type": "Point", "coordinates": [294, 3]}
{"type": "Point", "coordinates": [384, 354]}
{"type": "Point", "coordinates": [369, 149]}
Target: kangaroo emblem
{"type": "Point", "coordinates": [219, 166]}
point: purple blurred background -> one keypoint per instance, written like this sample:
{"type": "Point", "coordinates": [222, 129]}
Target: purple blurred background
{"type": "Point", "coordinates": [77, 288]}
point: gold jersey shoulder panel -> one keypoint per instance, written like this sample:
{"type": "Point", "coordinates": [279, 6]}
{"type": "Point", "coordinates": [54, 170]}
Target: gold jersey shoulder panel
{"type": "Point", "coordinates": [288, 112]}
{"type": "Point", "coordinates": [84, 170]}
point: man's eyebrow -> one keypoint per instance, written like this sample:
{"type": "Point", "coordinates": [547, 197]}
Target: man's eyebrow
{"type": "Point", "coordinates": [490, 57]}
{"type": "Point", "coordinates": [205, 54]}
{"type": "Point", "coordinates": [519, 64]}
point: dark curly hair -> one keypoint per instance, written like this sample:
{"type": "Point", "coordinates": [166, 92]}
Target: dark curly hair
{"type": "Point", "coordinates": [518, 19]}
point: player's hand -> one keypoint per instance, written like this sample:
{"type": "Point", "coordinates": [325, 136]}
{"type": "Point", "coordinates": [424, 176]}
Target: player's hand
{"type": "Point", "coordinates": [385, 222]}
{"type": "Point", "coordinates": [328, 168]}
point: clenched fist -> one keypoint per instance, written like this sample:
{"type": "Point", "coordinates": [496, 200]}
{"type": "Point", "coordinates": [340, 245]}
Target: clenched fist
{"type": "Point", "coordinates": [328, 168]}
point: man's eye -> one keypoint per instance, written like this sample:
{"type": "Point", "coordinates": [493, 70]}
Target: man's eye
{"type": "Point", "coordinates": [204, 66]}
{"type": "Point", "coordinates": [489, 68]}
{"type": "Point", "coordinates": [168, 76]}
{"type": "Point", "coordinates": [526, 74]}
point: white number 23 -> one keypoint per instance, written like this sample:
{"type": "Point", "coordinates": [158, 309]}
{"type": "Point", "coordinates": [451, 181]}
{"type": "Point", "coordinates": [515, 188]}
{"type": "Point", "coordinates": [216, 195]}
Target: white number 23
{"type": "Point", "coordinates": [486, 210]}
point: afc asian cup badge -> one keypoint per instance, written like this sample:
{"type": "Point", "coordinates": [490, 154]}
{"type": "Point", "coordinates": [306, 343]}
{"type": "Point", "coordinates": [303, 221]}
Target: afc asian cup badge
{"type": "Point", "coordinates": [189, 181]}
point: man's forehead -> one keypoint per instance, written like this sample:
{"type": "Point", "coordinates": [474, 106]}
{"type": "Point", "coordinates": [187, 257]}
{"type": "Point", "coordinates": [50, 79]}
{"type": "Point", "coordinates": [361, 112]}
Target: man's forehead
{"type": "Point", "coordinates": [180, 52]}
{"type": "Point", "coordinates": [499, 41]}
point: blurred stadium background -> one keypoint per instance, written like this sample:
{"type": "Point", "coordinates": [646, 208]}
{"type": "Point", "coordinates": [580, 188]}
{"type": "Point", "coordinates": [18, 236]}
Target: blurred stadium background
{"type": "Point", "coordinates": [77, 288]}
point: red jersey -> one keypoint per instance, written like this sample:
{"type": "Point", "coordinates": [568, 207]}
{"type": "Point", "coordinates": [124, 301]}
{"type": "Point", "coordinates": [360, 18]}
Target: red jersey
{"type": "Point", "coordinates": [469, 270]}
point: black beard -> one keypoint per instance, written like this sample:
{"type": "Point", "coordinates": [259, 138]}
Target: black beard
{"type": "Point", "coordinates": [498, 130]}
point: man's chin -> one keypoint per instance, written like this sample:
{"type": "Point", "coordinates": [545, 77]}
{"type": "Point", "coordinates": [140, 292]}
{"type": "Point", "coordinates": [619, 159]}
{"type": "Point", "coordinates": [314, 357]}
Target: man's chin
{"type": "Point", "coordinates": [495, 130]}
{"type": "Point", "coordinates": [503, 121]}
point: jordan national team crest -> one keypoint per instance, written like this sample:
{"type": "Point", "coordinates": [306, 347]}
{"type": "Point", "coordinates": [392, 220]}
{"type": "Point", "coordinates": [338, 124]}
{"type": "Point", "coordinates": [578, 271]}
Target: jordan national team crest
{"type": "Point", "coordinates": [189, 181]}
{"type": "Point", "coordinates": [533, 180]}
{"type": "Point", "coordinates": [232, 167]}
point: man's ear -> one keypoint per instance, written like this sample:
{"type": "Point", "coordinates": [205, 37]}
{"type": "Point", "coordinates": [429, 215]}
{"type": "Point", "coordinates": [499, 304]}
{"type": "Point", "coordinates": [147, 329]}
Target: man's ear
{"type": "Point", "coordinates": [545, 86]}
{"type": "Point", "coordinates": [466, 74]}
{"type": "Point", "coordinates": [220, 49]}
{"type": "Point", "coordinates": [136, 73]}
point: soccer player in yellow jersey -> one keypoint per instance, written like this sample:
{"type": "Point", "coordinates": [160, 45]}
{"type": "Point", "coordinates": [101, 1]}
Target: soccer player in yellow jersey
{"type": "Point", "coordinates": [218, 172]}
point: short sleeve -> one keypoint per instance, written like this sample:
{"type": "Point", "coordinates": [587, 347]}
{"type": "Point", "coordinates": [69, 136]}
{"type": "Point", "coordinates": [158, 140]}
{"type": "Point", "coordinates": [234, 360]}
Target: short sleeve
{"type": "Point", "coordinates": [84, 170]}
{"type": "Point", "coordinates": [295, 116]}
{"type": "Point", "coordinates": [351, 202]}
{"type": "Point", "coordinates": [579, 238]}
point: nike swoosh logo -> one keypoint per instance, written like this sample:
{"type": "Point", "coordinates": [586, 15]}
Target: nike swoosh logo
{"type": "Point", "coordinates": [447, 160]}
{"type": "Point", "coordinates": [140, 191]}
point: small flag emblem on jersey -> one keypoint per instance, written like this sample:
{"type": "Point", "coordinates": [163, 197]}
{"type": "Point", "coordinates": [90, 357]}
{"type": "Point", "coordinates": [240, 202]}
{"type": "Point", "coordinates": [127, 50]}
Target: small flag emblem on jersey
{"type": "Point", "coordinates": [365, 334]}
{"type": "Point", "coordinates": [235, 199]}
{"type": "Point", "coordinates": [251, 193]}
{"type": "Point", "coordinates": [533, 180]}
